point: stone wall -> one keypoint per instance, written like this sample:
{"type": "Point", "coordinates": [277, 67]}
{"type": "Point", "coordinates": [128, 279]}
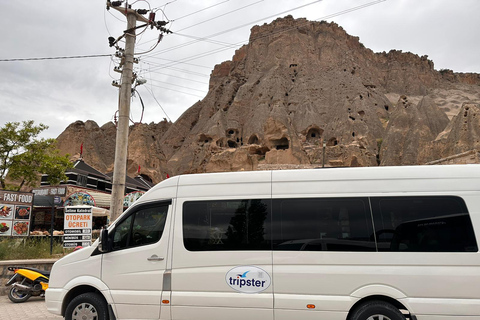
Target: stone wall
{"type": "Point", "coordinates": [5, 275]}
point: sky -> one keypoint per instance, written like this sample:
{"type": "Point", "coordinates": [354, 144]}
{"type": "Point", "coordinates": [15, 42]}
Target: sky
{"type": "Point", "coordinates": [58, 92]}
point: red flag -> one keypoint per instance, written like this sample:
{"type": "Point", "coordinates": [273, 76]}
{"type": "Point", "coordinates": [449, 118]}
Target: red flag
{"type": "Point", "coordinates": [138, 169]}
{"type": "Point", "coordinates": [81, 149]}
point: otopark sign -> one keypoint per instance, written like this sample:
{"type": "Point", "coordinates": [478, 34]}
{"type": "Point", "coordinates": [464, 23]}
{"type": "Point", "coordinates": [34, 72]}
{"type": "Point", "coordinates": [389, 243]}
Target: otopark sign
{"type": "Point", "coordinates": [77, 227]}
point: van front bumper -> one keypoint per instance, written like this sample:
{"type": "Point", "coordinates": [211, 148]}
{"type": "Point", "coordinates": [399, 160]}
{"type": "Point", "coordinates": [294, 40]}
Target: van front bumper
{"type": "Point", "coordinates": [54, 300]}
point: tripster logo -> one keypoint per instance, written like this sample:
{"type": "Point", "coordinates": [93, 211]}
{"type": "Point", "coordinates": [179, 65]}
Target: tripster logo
{"type": "Point", "coordinates": [248, 279]}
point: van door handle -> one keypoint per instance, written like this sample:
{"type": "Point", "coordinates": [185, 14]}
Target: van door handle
{"type": "Point", "coordinates": [155, 258]}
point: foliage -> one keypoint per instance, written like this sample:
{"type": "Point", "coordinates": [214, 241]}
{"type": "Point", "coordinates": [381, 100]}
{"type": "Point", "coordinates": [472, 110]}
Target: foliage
{"type": "Point", "coordinates": [444, 71]}
{"type": "Point", "coordinates": [29, 248]}
{"type": "Point", "coordinates": [23, 156]}
{"type": "Point", "coordinates": [379, 144]}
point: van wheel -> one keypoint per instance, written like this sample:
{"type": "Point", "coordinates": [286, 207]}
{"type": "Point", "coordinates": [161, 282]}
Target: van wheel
{"type": "Point", "coordinates": [377, 310]}
{"type": "Point", "coordinates": [87, 306]}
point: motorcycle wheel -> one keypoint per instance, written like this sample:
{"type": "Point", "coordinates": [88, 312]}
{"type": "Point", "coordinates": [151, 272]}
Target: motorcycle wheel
{"type": "Point", "coordinates": [18, 296]}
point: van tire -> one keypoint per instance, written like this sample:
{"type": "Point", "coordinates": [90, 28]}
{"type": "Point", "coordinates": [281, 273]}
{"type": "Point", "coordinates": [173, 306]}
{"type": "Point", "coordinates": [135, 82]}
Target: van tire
{"type": "Point", "coordinates": [90, 304]}
{"type": "Point", "coordinates": [374, 309]}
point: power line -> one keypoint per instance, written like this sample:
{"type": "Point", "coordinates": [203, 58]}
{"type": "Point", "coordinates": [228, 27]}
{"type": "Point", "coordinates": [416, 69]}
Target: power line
{"type": "Point", "coordinates": [183, 92]}
{"type": "Point", "coordinates": [191, 14]}
{"type": "Point", "coordinates": [57, 58]}
{"type": "Point", "coordinates": [173, 76]}
{"type": "Point", "coordinates": [211, 52]}
{"type": "Point", "coordinates": [179, 86]}
{"type": "Point", "coordinates": [193, 73]}
{"type": "Point", "coordinates": [190, 64]}
{"type": "Point", "coordinates": [234, 28]}
{"type": "Point", "coordinates": [219, 16]}
{"type": "Point", "coordinates": [154, 98]}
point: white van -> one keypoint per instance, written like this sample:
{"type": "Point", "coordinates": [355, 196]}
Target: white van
{"type": "Point", "coordinates": [383, 243]}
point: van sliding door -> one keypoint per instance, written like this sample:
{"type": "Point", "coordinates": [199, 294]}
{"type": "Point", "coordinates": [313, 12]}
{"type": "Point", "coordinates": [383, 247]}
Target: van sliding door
{"type": "Point", "coordinates": [322, 251]}
{"type": "Point", "coordinates": [222, 262]}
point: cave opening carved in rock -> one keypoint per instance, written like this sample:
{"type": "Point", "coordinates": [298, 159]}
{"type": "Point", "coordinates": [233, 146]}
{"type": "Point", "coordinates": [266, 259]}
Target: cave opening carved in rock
{"type": "Point", "coordinates": [232, 144]}
{"type": "Point", "coordinates": [332, 142]}
{"type": "Point", "coordinates": [253, 139]}
{"type": "Point", "coordinates": [280, 144]}
{"type": "Point", "coordinates": [314, 135]}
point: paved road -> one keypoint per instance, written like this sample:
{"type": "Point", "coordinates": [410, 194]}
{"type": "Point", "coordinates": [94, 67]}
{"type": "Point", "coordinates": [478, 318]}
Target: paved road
{"type": "Point", "coordinates": [32, 309]}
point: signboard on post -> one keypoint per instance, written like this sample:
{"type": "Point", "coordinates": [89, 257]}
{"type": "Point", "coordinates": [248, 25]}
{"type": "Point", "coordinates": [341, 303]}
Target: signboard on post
{"type": "Point", "coordinates": [77, 227]}
{"type": "Point", "coordinates": [15, 212]}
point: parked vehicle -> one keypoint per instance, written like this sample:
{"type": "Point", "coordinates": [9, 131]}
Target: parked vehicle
{"type": "Point", "coordinates": [27, 282]}
{"type": "Point", "coordinates": [391, 243]}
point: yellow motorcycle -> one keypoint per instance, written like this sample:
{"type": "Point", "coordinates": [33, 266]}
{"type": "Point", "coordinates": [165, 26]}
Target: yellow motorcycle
{"type": "Point", "coordinates": [27, 282]}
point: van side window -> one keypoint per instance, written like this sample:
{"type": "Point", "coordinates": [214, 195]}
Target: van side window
{"type": "Point", "coordinates": [322, 224]}
{"type": "Point", "coordinates": [423, 224]}
{"type": "Point", "coordinates": [226, 225]}
{"type": "Point", "coordinates": [140, 228]}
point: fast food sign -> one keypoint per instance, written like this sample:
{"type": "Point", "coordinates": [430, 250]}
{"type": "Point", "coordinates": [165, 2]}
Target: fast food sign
{"type": "Point", "coordinates": [15, 213]}
{"type": "Point", "coordinates": [77, 226]}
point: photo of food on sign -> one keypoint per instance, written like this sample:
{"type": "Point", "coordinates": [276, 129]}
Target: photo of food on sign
{"type": "Point", "coordinates": [5, 228]}
{"type": "Point", "coordinates": [6, 211]}
{"type": "Point", "coordinates": [20, 228]}
{"type": "Point", "coordinates": [22, 212]}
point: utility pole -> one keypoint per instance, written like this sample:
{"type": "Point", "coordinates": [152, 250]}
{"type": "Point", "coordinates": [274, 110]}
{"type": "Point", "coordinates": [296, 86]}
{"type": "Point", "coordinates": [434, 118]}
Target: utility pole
{"type": "Point", "coordinates": [121, 146]}
{"type": "Point", "coordinates": [121, 143]}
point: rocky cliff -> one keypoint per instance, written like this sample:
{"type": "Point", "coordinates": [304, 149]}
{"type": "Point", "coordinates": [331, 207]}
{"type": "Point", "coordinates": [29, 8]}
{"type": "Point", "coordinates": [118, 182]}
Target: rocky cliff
{"type": "Point", "coordinates": [295, 86]}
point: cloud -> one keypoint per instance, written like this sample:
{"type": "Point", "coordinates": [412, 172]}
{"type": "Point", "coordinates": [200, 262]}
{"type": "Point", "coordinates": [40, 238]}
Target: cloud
{"type": "Point", "coordinates": [58, 92]}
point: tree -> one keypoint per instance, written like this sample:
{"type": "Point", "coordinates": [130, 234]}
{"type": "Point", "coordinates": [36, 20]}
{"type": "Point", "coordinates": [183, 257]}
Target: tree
{"type": "Point", "coordinates": [23, 157]}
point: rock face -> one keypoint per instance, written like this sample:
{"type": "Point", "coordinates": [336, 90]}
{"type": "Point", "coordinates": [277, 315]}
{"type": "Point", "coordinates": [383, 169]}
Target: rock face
{"type": "Point", "coordinates": [296, 86]}
{"type": "Point", "coordinates": [99, 146]}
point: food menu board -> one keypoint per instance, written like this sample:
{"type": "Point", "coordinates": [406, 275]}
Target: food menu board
{"type": "Point", "coordinates": [14, 220]}
{"type": "Point", "coordinates": [15, 213]}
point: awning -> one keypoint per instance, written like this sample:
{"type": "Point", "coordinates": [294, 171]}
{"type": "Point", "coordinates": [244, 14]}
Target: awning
{"type": "Point", "coordinates": [90, 198]}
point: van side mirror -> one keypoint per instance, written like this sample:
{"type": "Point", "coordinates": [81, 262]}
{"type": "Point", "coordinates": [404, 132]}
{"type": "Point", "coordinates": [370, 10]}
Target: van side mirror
{"type": "Point", "coordinates": [103, 241]}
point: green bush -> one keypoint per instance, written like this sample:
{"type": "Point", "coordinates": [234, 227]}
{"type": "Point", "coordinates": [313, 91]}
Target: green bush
{"type": "Point", "coordinates": [29, 248]}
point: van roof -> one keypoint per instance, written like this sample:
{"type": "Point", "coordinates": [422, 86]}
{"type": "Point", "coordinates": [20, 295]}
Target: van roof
{"type": "Point", "coordinates": [434, 178]}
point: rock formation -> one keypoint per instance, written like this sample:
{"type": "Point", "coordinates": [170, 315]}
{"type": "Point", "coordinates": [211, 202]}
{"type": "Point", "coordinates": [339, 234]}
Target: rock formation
{"type": "Point", "coordinates": [295, 86]}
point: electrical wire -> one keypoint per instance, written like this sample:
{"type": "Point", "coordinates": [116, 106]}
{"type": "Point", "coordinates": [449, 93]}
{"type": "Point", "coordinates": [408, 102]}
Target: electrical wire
{"type": "Point", "coordinates": [237, 27]}
{"type": "Point", "coordinates": [57, 58]}
{"type": "Point", "coordinates": [179, 86]}
{"type": "Point", "coordinates": [173, 76]}
{"type": "Point", "coordinates": [222, 15]}
{"type": "Point", "coordinates": [117, 17]}
{"type": "Point", "coordinates": [143, 106]}
{"type": "Point", "coordinates": [190, 64]}
{"type": "Point", "coordinates": [211, 52]}
{"type": "Point", "coordinates": [198, 11]}
{"type": "Point", "coordinates": [193, 73]}
{"type": "Point", "coordinates": [190, 14]}
{"type": "Point", "coordinates": [154, 98]}
{"type": "Point", "coordinates": [183, 92]}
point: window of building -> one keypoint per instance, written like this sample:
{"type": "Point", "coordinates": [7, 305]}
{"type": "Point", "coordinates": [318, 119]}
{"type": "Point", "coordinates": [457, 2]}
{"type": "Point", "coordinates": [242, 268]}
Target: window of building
{"type": "Point", "coordinates": [226, 225]}
{"type": "Point", "coordinates": [81, 180]}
